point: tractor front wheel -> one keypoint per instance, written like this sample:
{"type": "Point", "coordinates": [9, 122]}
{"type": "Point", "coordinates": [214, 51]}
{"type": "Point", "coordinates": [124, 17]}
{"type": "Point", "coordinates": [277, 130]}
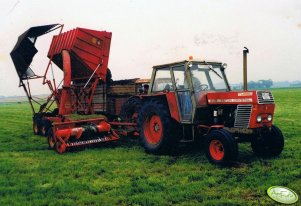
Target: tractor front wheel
{"type": "Point", "coordinates": [221, 147]}
{"type": "Point", "coordinates": [156, 129]}
{"type": "Point", "coordinates": [270, 143]}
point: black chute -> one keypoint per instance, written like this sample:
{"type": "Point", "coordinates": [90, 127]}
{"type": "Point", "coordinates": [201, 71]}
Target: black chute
{"type": "Point", "coordinates": [24, 50]}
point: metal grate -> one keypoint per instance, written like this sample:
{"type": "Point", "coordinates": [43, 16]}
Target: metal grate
{"type": "Point", "coordinates": [265, 97]}
{"type": "Point", "coordinates": [242, 117]}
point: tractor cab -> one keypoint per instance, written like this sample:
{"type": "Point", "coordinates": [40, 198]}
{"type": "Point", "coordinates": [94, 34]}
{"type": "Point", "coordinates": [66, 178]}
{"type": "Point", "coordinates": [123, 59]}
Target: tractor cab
{"type": "Point", "coordinates": [190, 81]}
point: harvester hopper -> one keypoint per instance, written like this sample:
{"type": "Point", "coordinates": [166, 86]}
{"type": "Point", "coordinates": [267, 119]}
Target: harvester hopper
{"type": "Point", "coordinates": [83, 55]}
{"type": "Point", "coordinates": [89, 52]}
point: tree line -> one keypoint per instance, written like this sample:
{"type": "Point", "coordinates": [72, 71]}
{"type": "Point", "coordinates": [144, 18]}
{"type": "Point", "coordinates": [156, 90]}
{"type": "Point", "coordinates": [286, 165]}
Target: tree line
{"type": "Point", "coordinates": [260, 84]}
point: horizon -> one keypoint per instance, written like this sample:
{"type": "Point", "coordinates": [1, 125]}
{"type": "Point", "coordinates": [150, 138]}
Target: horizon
{"type": "Point", "coordinates": [232, 85]}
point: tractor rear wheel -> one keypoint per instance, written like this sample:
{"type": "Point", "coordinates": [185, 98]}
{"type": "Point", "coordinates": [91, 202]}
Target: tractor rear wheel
{"type": "Point", "coordinates": [270, 144]}
{"type": "Point", "coordinates": [156, 128]}
{"type": "Point", "coordinates": [221, 147]}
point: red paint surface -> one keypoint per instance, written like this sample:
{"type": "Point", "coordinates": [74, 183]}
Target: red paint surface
{"type": "Point", "coordinates": [248, 97]}
{"type": "Point", "coordinates": [153, 129]}
{"type": "Point", "coordinates": [173, 106]}
{"type": "Point", "coordinates": [65, 103]}
{"type": "Point", "coordinates": [216, 149]}
{"type": "Point", "coordinates": [89, 47]}
{"type": "Point", "coordinates": [264, 110]}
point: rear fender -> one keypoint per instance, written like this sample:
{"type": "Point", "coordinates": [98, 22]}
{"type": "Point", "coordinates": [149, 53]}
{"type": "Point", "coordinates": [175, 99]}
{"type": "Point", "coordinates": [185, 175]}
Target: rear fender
{"type": "Point", "coordinates": [170, 99]}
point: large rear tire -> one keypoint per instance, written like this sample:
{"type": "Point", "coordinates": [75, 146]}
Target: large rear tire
{"type": "Point", "coordinates": [270, 144]}
{"type": "Point", "coordinates": [156, 128]}
{"type": "Point", "coordinates": [221, 147]}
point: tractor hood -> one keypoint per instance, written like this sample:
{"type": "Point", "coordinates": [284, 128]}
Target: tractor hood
{"type": "Point", "coordinates": [24, 50]}
{"type": "Point", "coordinates": [240, 97]}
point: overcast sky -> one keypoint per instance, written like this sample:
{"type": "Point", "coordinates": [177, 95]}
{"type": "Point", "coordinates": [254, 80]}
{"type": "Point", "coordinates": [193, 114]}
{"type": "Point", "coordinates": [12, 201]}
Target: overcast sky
{"type": "Point", "coordinates": [147, 33]}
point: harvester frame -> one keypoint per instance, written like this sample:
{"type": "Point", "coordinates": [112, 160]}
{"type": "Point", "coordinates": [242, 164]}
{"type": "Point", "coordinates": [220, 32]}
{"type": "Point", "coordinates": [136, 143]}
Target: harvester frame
{"type": "Point", "coordinates": [82, 55]}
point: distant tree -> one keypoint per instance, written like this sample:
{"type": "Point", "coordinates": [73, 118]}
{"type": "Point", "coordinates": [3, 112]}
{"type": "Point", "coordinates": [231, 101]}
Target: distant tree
{"type": "Point", "coordinates": [261, 84]}
{"type": "Point", "coordinates": [252, 85]}
{"type": "Point", "coordinates": [265, 84]}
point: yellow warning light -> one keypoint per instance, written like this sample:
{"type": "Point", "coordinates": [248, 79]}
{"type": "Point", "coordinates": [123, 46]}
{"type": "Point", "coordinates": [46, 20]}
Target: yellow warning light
{"type": "Point", "coordinates": [190, 57]}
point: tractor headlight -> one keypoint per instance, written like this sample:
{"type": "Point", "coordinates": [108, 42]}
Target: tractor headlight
{"type": "Point", "coordinates": [258, 118]}
{"type": "Point", "coordinates": [270, 117]}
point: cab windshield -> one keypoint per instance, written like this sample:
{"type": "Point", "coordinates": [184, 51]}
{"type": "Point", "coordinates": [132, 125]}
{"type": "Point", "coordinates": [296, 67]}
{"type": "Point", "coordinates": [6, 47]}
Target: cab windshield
{"type": "Point", "coordinates": [207, 77]}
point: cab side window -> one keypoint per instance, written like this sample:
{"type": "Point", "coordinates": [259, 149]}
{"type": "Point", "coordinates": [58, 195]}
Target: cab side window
{"type": "Point", "coordinates": [179, 73]}
{"type": "Point", "coordinates": [162, 80]}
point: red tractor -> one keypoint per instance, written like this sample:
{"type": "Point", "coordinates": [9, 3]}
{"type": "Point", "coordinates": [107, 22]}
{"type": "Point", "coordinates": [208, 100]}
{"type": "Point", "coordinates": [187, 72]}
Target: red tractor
{"type": "Point", "coordinates": [191, 100]}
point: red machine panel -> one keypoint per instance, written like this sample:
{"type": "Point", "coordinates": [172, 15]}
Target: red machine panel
{"type": "Point", "coordinates": [244, 97]}
{"type": "Point", "coordinates": [89, 51]}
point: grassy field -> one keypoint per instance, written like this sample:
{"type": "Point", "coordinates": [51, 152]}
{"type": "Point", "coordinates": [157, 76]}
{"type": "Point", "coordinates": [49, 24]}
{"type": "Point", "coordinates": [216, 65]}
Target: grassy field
{"type": "Point", "coordinates": [124, 174]}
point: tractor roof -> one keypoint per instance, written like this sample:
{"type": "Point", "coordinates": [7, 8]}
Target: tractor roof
{"type": "Point", "coordinates": [185, 61]}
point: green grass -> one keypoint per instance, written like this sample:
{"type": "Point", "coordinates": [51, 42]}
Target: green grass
{"type": "Point", "coordinates": [124, 174]}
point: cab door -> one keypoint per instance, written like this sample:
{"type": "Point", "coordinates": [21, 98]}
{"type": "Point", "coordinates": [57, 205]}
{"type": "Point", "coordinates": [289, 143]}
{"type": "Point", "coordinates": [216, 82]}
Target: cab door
{"type": "Point", "coordinates": [183, 93]}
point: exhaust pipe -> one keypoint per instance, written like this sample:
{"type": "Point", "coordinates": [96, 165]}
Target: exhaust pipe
{"type": "Point", "coordinates": [245, 76]}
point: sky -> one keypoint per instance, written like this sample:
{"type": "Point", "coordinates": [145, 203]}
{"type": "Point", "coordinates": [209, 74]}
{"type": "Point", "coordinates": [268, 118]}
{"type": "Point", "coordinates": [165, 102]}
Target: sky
{"type": "Point", "coordinates": [148, 33]}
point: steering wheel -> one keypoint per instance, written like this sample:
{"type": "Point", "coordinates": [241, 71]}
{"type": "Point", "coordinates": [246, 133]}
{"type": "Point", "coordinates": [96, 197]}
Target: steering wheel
{"type": "Point", "coordinates": [201, 87]}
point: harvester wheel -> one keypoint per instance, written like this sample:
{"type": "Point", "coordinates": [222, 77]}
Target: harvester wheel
{"type": "Point", "coordinates": [130, 109]}
{"type": "Point", "coordinates": [271, 144]}
{"type": "Point", "coordinates": [37, 123]}
{"type": "Point", "coordinates": [43, 130]}
{"type": "Point", "coordinates": [35, 128]}
{"type": "Point", "coordinates": [156, 127]}
{"type": "Point", "coordinates": [60, 147]}
{"type": "Point", "coordinates": [46, 124]}
{"type": "Point", "coordinates": [50, 137]}
{"type": "Point", "coordinates": [221, 147]}
{"type": "Point", "coordinates": [55, 112]}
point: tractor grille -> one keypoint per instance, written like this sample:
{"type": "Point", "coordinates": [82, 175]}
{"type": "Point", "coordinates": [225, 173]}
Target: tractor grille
{"type": "Point", "coordinates": [243, 114]}
{"type": "Point", "coordinates": [265, 97]}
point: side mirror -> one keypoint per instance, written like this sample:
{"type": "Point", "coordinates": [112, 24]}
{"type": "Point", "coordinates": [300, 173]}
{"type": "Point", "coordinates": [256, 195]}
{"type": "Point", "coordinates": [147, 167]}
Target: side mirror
{"type": "Point", "coordinates": [224, 66]}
